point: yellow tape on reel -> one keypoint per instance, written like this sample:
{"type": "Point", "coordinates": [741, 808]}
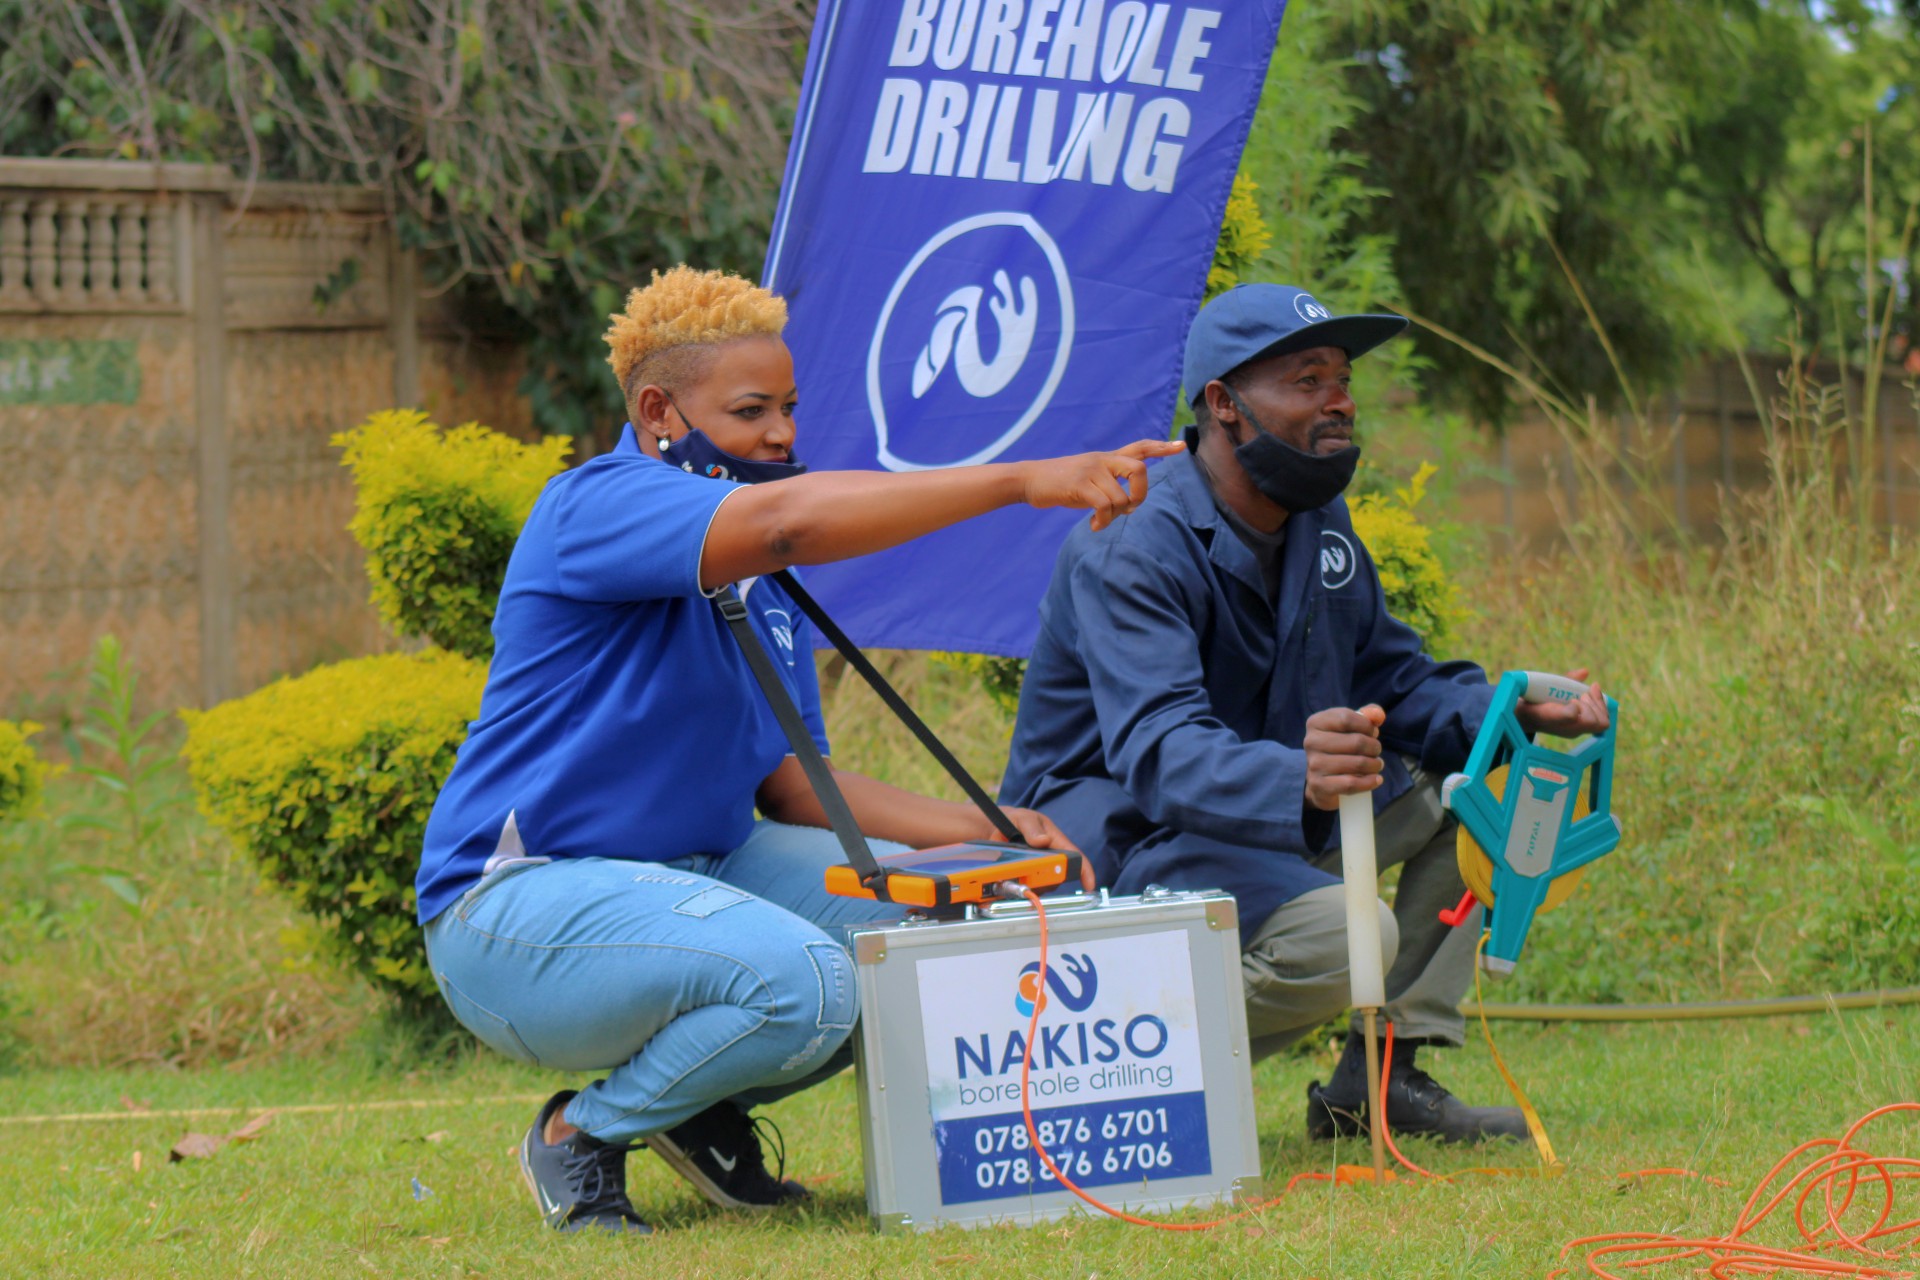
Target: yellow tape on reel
{"type": "Point", "coordinates": [1476, 868]}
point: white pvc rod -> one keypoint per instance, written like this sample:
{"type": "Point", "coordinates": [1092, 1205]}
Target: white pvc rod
{"type": "Point", "coordinates": [1359, 870]}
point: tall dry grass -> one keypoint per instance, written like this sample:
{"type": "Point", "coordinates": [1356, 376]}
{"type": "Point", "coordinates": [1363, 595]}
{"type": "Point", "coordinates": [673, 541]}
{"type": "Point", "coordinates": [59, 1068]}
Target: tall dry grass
{"type": "Point", "coordinates": [1769, 771]}
{"type": "Point", "coordinates": [130, 932]}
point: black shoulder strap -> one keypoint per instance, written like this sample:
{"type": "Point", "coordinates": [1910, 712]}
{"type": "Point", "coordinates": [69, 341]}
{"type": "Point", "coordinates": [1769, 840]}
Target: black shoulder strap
{"type": "Point", "coordinates": [898, 705]}
{"type": "Point", "coordinates": [852, 842]}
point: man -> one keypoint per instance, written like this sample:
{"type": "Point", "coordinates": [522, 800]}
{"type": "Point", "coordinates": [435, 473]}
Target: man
{"type": "Point", "coordinates": [1214, 673]}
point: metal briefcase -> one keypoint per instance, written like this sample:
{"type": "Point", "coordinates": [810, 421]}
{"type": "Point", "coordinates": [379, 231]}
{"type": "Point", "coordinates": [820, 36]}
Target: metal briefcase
{"type": "Point", "coordinates": [1141, 1086]}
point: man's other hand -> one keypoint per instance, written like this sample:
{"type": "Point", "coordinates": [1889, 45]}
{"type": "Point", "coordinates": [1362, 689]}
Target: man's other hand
{"type": "Point", "coordinates": [1567, 719]}
{"type": "Point", "coordinates": [1343, 754]}
{"type": "Point", "coordinates": [1039, 831]}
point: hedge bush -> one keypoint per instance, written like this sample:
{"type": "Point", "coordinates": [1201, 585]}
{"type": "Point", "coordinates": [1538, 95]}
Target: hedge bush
{"type": "Point", "coordinates": [327, 780]}
{"type": "Point", "coordinates": [22, 773]}
{"type": "Point", "coordinates": [1417, 587]}
{"type": "Point", "coordinates": [438, 513]}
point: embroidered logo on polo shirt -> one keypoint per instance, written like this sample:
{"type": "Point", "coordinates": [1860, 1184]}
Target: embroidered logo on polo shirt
{"type": "Point", "coordinates": [780, 622]}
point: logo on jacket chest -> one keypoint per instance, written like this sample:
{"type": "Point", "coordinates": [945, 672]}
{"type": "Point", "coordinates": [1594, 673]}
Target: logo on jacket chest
{"type": "Point", "coordinates": [1337, 560]}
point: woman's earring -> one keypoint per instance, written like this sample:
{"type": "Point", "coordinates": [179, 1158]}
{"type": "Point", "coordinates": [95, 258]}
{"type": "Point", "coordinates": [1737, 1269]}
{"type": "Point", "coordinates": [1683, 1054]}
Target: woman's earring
{"type": "Point", "coordinates": [665, 444]}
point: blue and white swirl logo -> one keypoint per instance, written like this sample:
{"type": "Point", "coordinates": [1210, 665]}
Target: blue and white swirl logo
{"type": "Point", "coordinates": [971, 344]}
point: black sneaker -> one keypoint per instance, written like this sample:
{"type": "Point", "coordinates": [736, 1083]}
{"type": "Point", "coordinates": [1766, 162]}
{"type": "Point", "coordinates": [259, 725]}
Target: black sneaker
{"type": "Point", "coordinates": [1416, 1103]}
{"type": "Point", "coordinates": [579, 1183]}
{"type": "Point", "coordinates": [718, 1151]}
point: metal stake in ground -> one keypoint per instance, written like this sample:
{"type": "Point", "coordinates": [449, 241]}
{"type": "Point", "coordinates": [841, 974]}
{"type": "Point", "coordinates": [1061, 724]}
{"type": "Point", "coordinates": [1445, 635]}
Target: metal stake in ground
{"type": "Point", "coordinates": [1359, 871]}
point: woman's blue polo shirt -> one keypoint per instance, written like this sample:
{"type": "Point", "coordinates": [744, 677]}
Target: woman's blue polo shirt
{"type": "Point", "coordinates": [619, 718]}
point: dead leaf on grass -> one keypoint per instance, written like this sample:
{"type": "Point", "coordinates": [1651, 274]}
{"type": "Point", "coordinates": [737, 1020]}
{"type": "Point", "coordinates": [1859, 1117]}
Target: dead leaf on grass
{"type": "Point", "coordinates": [137, 1158]}
{"type": "Point", "coordinates": [199, 1146]}
{"type": "Point", "coordinates": [195, 1146]}
{"type": "Point", "coordinates": [438, 1135]}
{"type": "Point", "coordinates": [135, 1104]}
{"type": "Point", "coordinates": [1253, 1232]}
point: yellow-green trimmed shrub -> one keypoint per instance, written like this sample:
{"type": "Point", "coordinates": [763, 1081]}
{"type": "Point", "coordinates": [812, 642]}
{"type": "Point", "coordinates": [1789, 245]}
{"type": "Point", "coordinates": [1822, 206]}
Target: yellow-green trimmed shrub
{"type": "Point", "coordinates": [437, 513]}
{"type": "Point", "coordinates": [327, 780]}
{"type": "Point", "coordinates": [1244, 236]}
{"type": "Point", "coordinates": [22, 772]}
{"type": "Point", "coordinates": [1417, 587]}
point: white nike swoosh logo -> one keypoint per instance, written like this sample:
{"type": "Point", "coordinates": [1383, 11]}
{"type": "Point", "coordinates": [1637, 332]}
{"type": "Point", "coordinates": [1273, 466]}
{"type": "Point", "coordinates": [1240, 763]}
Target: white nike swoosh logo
{"type": "Point", "coordinates": [723, 1161]}
{"type": "Point", "coordinates": [549, 1207]}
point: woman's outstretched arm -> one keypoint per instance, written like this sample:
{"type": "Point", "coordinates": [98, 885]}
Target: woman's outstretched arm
{"type": "Point", "coordinates": [836, 515]}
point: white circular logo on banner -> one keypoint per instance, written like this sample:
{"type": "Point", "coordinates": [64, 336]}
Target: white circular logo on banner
{"type": "Point", "coordinates": [971, 344]}
{"type": "Point", "coordinates": [1337, 561]}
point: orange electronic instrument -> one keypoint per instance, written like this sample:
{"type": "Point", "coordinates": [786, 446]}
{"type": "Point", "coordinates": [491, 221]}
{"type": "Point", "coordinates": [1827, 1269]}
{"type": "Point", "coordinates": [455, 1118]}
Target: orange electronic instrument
{"type": "Point", "coordinates": [945, 876]}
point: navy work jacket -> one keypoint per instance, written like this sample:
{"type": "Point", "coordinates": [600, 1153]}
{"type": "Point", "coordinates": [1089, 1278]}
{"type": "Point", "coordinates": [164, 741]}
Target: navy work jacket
{"type": "Point", "coordinates": [1166, 701]}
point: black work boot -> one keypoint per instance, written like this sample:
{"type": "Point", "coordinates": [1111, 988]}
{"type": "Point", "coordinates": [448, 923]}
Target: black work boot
{"type": "Point", "coordinates": [718, 1151]}
{"type": "Point", "coordinates": [1416, 1102]}
{"type": "Point", "coordinates": [580, 1183]}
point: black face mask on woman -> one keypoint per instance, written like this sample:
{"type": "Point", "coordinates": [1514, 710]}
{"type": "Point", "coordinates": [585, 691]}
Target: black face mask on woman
{"type": "Point", "coordinates": [1290, 478]}
{"type": "Point", "coordinates": [695, 453]}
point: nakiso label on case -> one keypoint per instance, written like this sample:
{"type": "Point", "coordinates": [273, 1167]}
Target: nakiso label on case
{"type": "Point", "coordinates": [1117, 1089]}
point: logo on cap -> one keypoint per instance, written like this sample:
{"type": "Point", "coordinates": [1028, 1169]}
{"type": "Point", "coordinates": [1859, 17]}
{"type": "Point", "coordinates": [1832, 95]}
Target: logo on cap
{"type": "Point", "coordinates": [971, 343]}
{"type": "Point", "coordinates": [1307, 309]}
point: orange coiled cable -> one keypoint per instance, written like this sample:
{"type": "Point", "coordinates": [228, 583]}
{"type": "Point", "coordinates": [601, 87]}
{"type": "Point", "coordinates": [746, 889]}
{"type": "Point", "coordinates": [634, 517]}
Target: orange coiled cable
{"type": "Point", "coordinates": [1823, 1190]}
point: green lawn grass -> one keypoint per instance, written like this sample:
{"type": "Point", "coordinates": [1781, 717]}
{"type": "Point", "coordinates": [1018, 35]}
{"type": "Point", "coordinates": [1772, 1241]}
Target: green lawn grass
{"type": "Point", "coordinates": [331, 1193]}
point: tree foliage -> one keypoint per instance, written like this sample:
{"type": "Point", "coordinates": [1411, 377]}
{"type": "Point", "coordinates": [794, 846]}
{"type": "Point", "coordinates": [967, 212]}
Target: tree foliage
{"type": "Point", "coordinates": [1780, 167]}
{"type": "Point", "coordinates": [1315, 196]}
{"type": "Point", "coordinates": [1525, 144]}
{"type": "Point", "coordinates": [537, 149]}
{"type": "Point", "coordinates": [1520, 172]}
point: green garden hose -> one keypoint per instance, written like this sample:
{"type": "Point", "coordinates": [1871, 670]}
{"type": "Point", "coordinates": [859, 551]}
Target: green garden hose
{"type": "Point", "coordinates": [1697, 1011]}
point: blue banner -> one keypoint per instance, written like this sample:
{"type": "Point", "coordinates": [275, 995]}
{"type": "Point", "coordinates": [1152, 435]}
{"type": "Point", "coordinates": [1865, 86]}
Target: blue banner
{"type": "Point", "coordinates": [995, 228]}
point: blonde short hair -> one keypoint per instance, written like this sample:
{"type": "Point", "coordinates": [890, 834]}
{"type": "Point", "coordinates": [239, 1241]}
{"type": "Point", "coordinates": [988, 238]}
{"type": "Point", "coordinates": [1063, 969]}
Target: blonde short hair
{"type": "Point", "coordinates": [657, 339]}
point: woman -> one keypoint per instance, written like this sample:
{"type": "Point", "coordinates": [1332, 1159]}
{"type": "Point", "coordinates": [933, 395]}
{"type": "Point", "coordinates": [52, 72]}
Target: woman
{"type": "Point", "coordinates": [596, 891]}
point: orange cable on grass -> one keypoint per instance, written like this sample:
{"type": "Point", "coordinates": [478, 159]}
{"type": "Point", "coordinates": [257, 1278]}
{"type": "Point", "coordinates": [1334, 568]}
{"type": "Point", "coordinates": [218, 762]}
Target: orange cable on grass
{"type": "Point", "coordinates": [1378, 1107]}
{"type": "Point", "coordinates": [1844, 1174]}
{"type": "Point", "coordinates": [1550, 1165]}
{"type": "Point", "coordinates": [1386, 1132]}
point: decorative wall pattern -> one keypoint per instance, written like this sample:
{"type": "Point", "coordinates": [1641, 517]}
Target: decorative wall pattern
{"type": "Point", "coordinates": [97, 520]}
{"type": "Point", "coordinates": [300, 579]}
{"type": "Point", "coordinates": [171, 370]}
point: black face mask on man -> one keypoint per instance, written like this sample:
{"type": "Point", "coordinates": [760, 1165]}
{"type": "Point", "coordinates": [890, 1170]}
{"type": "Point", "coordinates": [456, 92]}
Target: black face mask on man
{"type": "Point", "coordinates": [1292, 479]}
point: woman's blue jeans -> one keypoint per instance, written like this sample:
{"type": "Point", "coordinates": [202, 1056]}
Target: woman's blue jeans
{"type": "Point", "coordinates": [687, 982]}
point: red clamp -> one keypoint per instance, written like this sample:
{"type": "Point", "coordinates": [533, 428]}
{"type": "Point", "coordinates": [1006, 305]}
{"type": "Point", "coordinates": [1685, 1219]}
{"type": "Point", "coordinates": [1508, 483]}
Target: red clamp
{"type": "Point", "coordinates": [1458, 916]}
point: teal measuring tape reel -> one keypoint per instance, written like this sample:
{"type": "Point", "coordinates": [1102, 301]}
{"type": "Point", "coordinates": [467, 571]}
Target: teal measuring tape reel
{"type": "Point", "coordinates": [1531, 817]}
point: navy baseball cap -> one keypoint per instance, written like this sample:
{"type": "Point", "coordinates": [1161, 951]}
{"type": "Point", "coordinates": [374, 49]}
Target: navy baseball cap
{"type": "Point", "coordinates": [1249, 321]}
